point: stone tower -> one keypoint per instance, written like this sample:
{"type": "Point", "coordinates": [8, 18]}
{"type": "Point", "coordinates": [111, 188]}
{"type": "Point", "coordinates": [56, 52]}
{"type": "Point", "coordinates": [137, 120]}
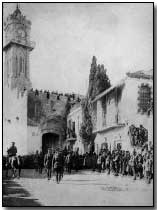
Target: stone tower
{"type": "Point", "coordinates": [16, 80]}
{"type": "Point", "coordinates": [17, 49]}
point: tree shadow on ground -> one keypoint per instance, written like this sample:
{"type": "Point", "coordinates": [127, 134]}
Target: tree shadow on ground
{"type": "Point", "coordinates": [26, 173]}
{"type": "Point", "coordinates": [15, 195]}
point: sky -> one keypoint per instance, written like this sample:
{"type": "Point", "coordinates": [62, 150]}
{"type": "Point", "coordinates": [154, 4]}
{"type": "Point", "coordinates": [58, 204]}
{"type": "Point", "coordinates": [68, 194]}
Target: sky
{"type": "Point", "coordinates": [68, 35]}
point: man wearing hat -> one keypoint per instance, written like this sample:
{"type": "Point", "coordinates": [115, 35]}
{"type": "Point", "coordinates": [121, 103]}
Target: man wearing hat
{"type": "Point", "coordinates": [134, 163]}
{"type": "Point", "coordinates": [58, 165]}
{"type": "Point", "coordinates": [48, 163]}
{"type": "Point", "coordinates": [12, 157]}
{"type": "Point", "coordinates": [12, 152]}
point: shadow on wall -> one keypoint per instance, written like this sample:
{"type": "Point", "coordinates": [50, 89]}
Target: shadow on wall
{"type": "Point", "coordinates": [15, 195]}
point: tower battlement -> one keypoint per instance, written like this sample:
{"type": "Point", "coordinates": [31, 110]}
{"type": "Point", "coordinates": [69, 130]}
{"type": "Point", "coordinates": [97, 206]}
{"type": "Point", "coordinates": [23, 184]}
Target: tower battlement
{"type": "Point", "coordinates": [17, 49]}
{"type": "Point", "coordinates": [17, 17]}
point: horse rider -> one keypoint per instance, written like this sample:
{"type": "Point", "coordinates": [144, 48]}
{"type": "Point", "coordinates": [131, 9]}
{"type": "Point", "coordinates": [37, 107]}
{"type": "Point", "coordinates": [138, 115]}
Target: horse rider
{"type": "Point", "coordinates": [12, 151]}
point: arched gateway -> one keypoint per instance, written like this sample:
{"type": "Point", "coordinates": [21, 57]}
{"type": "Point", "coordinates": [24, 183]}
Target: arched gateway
{"type": "Point", "coordinates": [49, 140]}
{"type": "Point", "coordinates": [52, 133]}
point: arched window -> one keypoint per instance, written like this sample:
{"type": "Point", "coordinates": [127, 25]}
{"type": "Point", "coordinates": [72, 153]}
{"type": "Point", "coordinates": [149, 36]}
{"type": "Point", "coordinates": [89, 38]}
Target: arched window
{"type": "Point", "coordinates": [16, 66]}
{"type": "Point", "coordinates": [20, 64]}
{"type": "Point", "coordinates": [23, 66]}
{"type": "Point", "coordinates": [26, 68]}
{"type": "Point", "coordinates": [7, 68]}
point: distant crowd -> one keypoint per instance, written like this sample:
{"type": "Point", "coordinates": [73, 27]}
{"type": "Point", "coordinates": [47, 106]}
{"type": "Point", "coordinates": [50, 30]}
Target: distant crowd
{"type": "Point", "coordinates": [70, 96]}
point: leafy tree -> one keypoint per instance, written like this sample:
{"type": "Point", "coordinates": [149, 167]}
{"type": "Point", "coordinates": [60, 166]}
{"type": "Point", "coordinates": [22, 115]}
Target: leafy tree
{"type": "Point", "coordinates": [98, 82]}
{"type": "Point", "coordinates": [86, 127]}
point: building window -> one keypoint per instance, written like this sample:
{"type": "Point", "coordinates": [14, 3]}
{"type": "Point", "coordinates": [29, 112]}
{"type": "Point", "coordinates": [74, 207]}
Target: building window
{"type": "Point", "coordinates": [144, 98]}
{"type": "Point", "coordinates": [20, 70]}
{"type": "Point", "coordinates": [7, 69]}
{"type": "Point", "coordinates": [73, 126]}
{"type": "Point", "coordinates": [104, 146]}
{"type": "Point", "coordinates": [69, 124]}
{"type": "Point", "coordinates": [119, 146]}
{"type": "Point", "coordinates": [104, 110]}
{"type": "Point", "coordinates": [23, 66]}
{"type": "Point", "coordinates": [26, 68]}
{"type": "Point", "coordinates": [16, 66]}
{"type": "Point", "coordinates": [78, 123]}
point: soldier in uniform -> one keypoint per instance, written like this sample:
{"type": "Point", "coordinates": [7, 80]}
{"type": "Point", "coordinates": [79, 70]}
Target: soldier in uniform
{"type": "Point", "coordinates": [99, 163]}
{"type": "Point", "coordinates": [103, 161]}
{"type": "Point", "coordinates": [36, 161]}
{"type": "Point", "coordinates": [48, 163]}
{"type": "Point", "coordinates": [58, 166]}
{"type": "Point", "coordinates": [134, 164]}
{"type": "Point", "coordinates": [41, 158]}
{"type": "Point", "coordinates": [69, 162]}
{"type": "Point", "coordinates": [140, 165]}
{"type": "Point", "coordinates": [108, 162]}
{"type": "Point", "coordinates": [116, 163]}
{"type": "Point", "coordinates": [76, 161]}
{"type": "Point", "coordinates": [94, 161]}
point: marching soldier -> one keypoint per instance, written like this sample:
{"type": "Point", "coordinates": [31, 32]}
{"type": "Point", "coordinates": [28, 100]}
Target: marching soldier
{"type": "Point", "coordinates": [48, 163]}
{"type": "Point", "coordinates": [58, 166]}
{"type": "Point", "coordinates": [134, 164]}
{"type": "Point", "coordinates": [69, 162]}
{"type": "Point", "coordinates": [36, 161]}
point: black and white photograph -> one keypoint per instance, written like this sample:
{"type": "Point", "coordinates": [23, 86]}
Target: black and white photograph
{"type": "Point", "coordinates": [78, 101]}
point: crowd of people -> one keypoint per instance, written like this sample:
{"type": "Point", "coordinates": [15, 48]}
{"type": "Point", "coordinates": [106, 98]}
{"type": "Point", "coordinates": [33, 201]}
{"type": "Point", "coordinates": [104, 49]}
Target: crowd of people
{"type": "Point", "coordinates": [139, 135]}
{"type": "Point", "coordinates": [136, 164]}
{"type": "Point", "coordinates": [118, 162]}
{"type": "Point", "coordinates": [70, 96]}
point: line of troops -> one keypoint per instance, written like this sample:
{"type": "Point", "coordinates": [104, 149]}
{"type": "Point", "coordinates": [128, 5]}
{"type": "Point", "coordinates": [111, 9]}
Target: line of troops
{"type": "Point", "coordinates": [137, 164]}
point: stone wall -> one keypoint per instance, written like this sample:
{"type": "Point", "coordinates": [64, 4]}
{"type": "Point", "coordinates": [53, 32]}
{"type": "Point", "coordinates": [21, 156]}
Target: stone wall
{"type": "Point", "coordinates": [14, 120]}
{"type": "Point", "coordinates": [47, 113]}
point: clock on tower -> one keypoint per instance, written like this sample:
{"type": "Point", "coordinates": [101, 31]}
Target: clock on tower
{"type": "Point", "coordinates": [17, 49]}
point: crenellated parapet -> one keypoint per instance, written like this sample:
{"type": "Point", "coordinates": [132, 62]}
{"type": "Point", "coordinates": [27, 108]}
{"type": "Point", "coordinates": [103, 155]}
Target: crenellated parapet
{"type": "Point", "coordinates": [45, 104]}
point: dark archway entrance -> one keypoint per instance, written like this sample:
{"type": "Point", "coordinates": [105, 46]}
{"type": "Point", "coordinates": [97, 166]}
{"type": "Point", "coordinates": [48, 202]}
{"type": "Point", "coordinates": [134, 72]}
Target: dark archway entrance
{"type": "Point", "coordinates": [49, 140]}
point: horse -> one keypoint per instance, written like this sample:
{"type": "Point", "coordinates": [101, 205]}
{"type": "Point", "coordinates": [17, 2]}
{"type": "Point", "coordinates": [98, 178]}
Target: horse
{"type": "Point", "coordinates": [13, 163]}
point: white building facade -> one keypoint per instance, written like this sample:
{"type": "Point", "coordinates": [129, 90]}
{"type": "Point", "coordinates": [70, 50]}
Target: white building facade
{"type": "Point", "coordinates": [125, 104]}
{"type": "Point", "coordinates": [74, 121]}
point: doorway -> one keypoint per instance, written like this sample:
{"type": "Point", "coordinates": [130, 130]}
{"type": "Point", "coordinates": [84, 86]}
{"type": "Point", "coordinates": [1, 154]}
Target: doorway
{"type": "Point", "coordinates": [49, 140]}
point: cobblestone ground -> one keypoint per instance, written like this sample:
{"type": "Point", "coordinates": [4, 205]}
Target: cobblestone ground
{"type": "Point", "coordinates": [84, 188]}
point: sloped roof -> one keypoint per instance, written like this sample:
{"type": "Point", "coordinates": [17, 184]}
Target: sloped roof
{"type": "Point", "coordinates": [143, 74]}
{"type": "Point", "coordinates": [118, 84]}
